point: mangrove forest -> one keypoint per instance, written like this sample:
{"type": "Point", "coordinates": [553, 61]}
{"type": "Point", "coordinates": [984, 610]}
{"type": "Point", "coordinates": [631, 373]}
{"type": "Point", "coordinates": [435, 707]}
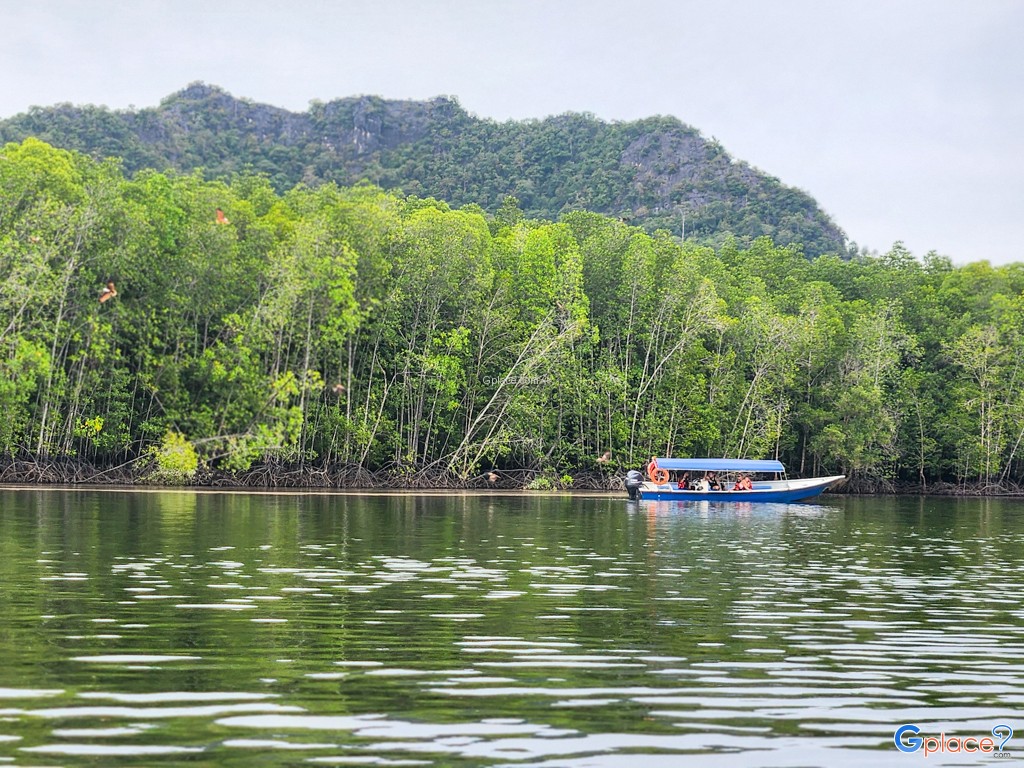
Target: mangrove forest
{"type": "Point", "coordinates": [169, 328]}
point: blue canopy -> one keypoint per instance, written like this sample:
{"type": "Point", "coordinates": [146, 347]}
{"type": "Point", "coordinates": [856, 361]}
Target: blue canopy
{"type": "Point", "coordinates": [722, 465]}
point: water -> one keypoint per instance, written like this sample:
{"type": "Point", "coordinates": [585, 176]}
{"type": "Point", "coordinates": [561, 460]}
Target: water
{"type": "Point", "coordinates": [222, 629]}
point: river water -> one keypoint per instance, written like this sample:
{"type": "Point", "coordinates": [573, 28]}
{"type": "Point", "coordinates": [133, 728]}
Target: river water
{"type": "Point", "coordinates": [231, 629]}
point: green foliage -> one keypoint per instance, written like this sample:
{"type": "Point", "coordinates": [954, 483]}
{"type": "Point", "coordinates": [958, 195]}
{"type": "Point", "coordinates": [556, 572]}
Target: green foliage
{"type": "Point", "coordinates": [23, 365]}
{"type": "Point", "coordinates": [175, 460]}
{"type": "Point", "coordinates": [352, 326]}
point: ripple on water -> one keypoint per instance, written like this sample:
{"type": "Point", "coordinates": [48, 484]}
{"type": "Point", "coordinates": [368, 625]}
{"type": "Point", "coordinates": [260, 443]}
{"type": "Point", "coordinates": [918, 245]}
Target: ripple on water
{"type": "Point", "coordinates": [134, 658]}
{"type": "Point", "coordinates": [29, 693]}
{"type": "Point", "coordinates": [711, 638]}
{"type": "Point", "coordinates": [175, 696]}
{"type": "Point", "coordinates": [100, 733]}
{"type": "Point", "coordinates": [110, 750]}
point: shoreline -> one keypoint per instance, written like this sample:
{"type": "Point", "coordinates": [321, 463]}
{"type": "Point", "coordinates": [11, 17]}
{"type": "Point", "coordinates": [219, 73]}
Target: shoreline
{"type": "Point", "coordinates": [308, 491]}
{"type": "Point", "coordinates": [69, 474]}
{"type": "Point", "coordinates": [395, 491]}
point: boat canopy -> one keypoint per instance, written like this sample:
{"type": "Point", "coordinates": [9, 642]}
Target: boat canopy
{"type": "Point", "coordinates": [722, 465]}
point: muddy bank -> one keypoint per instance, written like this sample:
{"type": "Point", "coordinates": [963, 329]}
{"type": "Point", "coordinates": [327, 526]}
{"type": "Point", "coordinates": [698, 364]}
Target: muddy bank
{"type": "Point", "coordinates": [72, 472]}
{"type": "Point", "coordinates": [344, 476]}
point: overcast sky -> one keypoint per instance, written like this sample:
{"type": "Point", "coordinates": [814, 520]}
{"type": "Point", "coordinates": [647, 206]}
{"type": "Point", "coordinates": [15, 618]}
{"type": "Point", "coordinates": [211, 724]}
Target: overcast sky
{"type": "Point", "coordinates": [904, 119]}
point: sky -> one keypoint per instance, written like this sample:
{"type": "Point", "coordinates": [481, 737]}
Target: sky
{"type": "Point", "coordinates": [904, 119]}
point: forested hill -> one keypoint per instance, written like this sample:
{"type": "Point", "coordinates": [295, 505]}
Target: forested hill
{"type": "Point", "coordinates": [650, 172]}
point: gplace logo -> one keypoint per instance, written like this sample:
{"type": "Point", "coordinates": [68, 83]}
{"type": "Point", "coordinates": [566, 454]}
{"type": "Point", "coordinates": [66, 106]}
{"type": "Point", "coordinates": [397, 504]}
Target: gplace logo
{"type": "Point", "coordinates": [907, 739]}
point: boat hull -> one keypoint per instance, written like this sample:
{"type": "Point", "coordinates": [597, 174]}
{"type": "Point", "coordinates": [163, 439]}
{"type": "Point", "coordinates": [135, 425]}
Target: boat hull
{"type": "Point", "coordinates": [773, 491]}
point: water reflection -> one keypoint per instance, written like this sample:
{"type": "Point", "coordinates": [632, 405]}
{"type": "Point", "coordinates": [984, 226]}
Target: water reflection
{"type": "Point", "coordinates": [475, 630]}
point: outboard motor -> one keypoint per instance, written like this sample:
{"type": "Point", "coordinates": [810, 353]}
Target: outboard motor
{"type": "Point", "coordinates": [634, 480]}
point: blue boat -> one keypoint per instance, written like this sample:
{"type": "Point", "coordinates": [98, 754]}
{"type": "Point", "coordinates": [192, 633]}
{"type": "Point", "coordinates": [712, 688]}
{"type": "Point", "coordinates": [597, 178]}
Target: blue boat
{"type": "Point", "coordinates": [767, 481]}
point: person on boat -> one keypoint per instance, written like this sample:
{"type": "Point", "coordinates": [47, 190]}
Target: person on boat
{"type": "Point", "coordinates": [701, 484]}
{"type": "Point", "coordinates": [713, 483]}
{"type": "Point", "coordinates": [684, 482]}
{"type": "Point", "coordinates": [743, 484]}
{"type": "Point", "coordinates": [634, 480]}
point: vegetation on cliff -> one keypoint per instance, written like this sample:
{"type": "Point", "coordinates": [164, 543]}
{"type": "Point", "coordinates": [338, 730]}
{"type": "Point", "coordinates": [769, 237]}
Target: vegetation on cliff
{"type": "Point", "coordinates": [650, 173]}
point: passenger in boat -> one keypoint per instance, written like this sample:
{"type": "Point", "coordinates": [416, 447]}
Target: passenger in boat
{"type": "Point", "coordinates": [701, 484]}
{"type": "Point", "coordinates": [713, 483]}
{"type": "Point", "coordinates": [743, 484]}
{"type": "Point", "coordinates": [684, 482]}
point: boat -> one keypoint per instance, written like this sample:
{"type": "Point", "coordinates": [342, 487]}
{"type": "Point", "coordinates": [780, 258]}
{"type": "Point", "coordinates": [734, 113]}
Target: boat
{"type": "Point", "coordinates": [769, 481]}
